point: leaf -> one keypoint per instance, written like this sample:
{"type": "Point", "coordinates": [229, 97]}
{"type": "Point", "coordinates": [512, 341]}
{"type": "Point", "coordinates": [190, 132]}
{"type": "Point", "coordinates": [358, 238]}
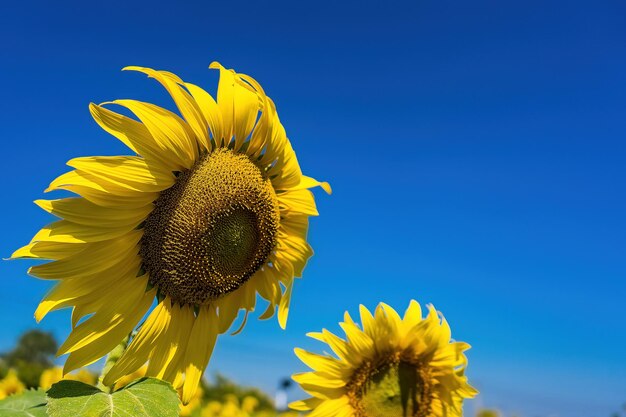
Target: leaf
{"type": "Point", "coordinates": [30, 403]}
{"type": "Point", "coordinates": [146, 397]}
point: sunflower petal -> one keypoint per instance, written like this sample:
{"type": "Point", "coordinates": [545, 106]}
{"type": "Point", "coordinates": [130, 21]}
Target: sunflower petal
{"type": "Point", "coordinates": [126, 171]}
{"type": "Point", "coordinates": [81, 211]}
{"type": "Point", "coordinates": [210, 110]}
{"type": "Point", "coordinates": [185, 103]}
{"type": "Point", "coordinates": [305, 405]}
{"type": "Point", "coordinates": [100, 191]}
{"type": "Point", "coordinates": [239, 106]}
{"type": "Point", "coordinates": [102, 255]}
{"type": "Point", "coordinates": [170, 132]}
{"type": "Point", "coordinates": [133, 134]}
{"type": "Point", "coordinates": [48, 250]}
{"type": "Point", "coordinates": [308, 182]}
{"type": "Point", "coordinates": [298, 201]}
{"type": "Point", "coordinates": [283, 307]}
{"type": "Point", "coordinates": [139, 349]}
{"type": "Point", "coordinates": [201, 343]}
{"type": "Point", "coordinates": [107, 336]}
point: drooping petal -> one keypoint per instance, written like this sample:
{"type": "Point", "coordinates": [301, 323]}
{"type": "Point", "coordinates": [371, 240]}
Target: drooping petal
{"type": "Point", "coordinates": [199, 349]}
{"type": "Point", "coordinates": [86, 290]}
{"type": "Point", "coordinates": [141, 346]}
{"type": "Point", "coordinates": [283, 307]}
{"type": "Point", "coordinates": [169, 343]}
{"type": "Point", "coordinates": [100, 333]}
{"type": "Point", "coordinates": [118, 327]}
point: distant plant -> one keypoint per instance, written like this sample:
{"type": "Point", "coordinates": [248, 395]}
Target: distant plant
{"type": "Point", "coordinates": [33, 354]}
{"type": "Point", "coordinates": [487, 412]}
{"type": "Point", "coordinates": [223, 387]}
{"type": "Point", "coordinates": [34, 346]}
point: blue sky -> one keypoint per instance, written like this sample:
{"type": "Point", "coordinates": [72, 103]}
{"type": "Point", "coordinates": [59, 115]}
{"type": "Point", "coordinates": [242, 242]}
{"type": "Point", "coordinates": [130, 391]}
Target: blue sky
{"type": "Point", "coordinates": [476, 151]}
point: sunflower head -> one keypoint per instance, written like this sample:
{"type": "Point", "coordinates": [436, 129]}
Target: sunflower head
{"type": "Point", "coordinates": [393, 366]}
{"type": "Point", "coordinates": [210, 209]}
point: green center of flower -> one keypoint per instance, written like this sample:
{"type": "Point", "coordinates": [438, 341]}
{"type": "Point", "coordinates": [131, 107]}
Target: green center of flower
{"type": "Point", "coordinates": [391, 388]}
{"type": "Point", "coordinates": [212, 230]}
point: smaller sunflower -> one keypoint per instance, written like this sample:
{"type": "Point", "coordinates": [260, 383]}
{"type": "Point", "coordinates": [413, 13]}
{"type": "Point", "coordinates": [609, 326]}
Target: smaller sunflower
{"type": "Point", "coordinates": [393, 367]}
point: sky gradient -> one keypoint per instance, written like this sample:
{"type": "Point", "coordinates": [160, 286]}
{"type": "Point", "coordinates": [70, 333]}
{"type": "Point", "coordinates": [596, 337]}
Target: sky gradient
{"type": "Point", "coordinates": [476, 152]}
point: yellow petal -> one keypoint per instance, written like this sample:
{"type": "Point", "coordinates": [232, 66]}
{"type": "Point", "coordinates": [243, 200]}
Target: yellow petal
{"type": "Point", "coordinates": [298, 201]}
{"type": "Point", "coordinates": [361, 341]}
{"type": "Point", "coordinates": [321, 386]}
{"type": "Point", "coordinates": [126, 171]}
{"type": "Point", "coordinates": [283, 307]}
{"type": "Point", "coordinates": [81, 211]}
{"type": "Point", "coordinates": [64, 231]}
{"type": "Point", "coordinates": [286, 172]}
{"type": "Point", "coordinates": [276, 139]}
{"type": "Point", "coordinates": [49, 250]}
{"type": "Point", "coordinates": [368, 322]}
{"type": "Point", "coordinates": [305, 405]}
{"type": "Point", "coordinates": [338, 407]}
{"type": "Point", "coordinates": [308, 182]}
{"type": "Point", "coordinates": [210, 110]}
{"type": "Point", "coordinates": [294, 251]}
{"type": "Point", "coordinates": [228, 309]}
{"type": "Point", "coordinates": [102, 255]}
{"type": "Point", "coordinates": [321, 363]}
{"type": "Point", "coordinates": [100, 191]}
{"type": "Point", "coordinates": [134, 135]}
{"type": "Point", "coordinates": [339, 346]}
{"type": "Point", "coordinates": [199, 349]}
{"type": "Point", "coordinates": [185, 103]}
{"type": "Point", "coordinates": [413, 315]}
{"type": "Point", "coordinates": [139, 349]}
{"type": "Point", "coordinates": [170, 132]}
{"type": "Point", "coordinates": [109, 331]}
{"type": "Point", "coordinates": [239, 106]}
{"type": "Point", "coordinates": [128, 294]}
{"type": "Point", "coordinates": [183, 322]}
{"type": "Point", "coordinates": [87, 290]}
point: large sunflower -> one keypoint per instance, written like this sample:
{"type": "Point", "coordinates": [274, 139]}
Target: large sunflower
{"type": "Point", "coordinates": [211, 210]}
{"type": "Point", "coordinates": [393, 367]}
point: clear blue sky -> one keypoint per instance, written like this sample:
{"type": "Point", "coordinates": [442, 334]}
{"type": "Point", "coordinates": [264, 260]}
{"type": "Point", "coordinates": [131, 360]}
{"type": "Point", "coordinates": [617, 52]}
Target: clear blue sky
{"type": "Point", "coordinates": [476, 150]}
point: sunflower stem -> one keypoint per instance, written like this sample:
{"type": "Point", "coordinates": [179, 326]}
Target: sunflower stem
{"type": "Point", "coordinates": [112, 357]}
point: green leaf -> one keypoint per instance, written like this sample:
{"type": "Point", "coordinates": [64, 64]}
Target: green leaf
{"type": "Point", "coordinates": [147, 397]}
{"type": "Point", "coordinates": [30, 403]}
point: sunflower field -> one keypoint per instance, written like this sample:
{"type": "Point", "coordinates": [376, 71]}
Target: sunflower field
{"type": "Point", "coordinates": [157, 252]}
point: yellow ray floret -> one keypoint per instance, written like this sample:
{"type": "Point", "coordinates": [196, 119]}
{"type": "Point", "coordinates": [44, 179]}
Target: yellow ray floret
{"type": "Point", "coordinates": [210, 210]}
{"type": "Point", "coordinates": [389, 366]}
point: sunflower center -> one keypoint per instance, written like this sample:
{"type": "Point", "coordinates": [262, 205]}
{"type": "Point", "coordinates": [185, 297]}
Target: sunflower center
{"type": "Point", "coordinates": [212, 230]}
{"type": "Point", "coordinates": [392, 388]}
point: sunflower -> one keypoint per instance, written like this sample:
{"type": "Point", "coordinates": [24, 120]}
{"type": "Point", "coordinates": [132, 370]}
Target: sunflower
{"type": "Point", "coordinates": [51, 376]}
{"type": "Point", "coordinates": [393, 367]}
{"type": "Point", "coordinates": [210, 210]}
{"type": "Point", "coordinates": [11, 385]}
